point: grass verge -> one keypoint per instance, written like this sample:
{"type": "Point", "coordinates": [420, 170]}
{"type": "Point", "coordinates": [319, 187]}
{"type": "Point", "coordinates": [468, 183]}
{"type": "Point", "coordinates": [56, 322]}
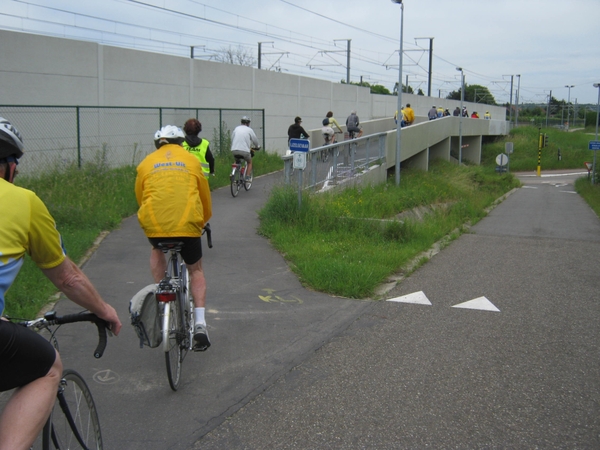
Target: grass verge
{"type": "Point", "coordinates": [348, 243]}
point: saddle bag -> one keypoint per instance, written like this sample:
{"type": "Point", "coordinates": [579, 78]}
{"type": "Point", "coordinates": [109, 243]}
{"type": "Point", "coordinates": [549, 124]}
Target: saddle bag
{"type": "Point", "coordinates": [145, 317]}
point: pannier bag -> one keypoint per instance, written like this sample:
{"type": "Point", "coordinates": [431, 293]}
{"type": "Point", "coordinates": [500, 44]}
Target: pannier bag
{"type": "Point", "coordinates": [145, 318]}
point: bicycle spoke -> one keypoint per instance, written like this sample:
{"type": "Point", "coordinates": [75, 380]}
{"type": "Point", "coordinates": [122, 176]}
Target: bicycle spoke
{"type": "Point", "coordinates": [73, 423]}
{"type": "Point", "coordinates": [173, 348]}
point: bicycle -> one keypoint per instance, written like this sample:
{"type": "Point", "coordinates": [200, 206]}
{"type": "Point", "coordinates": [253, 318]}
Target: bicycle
{"type": "Point", "coordinates": [176, 306]}
{"type": "Point", "coordinates": [73, 422]}
{"type": "Point", "coordinates": [328, 140]}
{"type": "Point", "coordinates": [238, 176]}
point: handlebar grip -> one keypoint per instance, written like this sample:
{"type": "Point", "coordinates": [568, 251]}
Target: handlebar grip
{"type": "Point", "coordinates": [208, 232]}
{"type": "Point", "coordinates": [88, 317]}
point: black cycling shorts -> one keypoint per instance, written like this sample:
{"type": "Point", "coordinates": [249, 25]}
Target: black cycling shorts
{"type": "Point", "coordinates": [25, 356]}
{"type": "Point", "coordinates": [191, 251]}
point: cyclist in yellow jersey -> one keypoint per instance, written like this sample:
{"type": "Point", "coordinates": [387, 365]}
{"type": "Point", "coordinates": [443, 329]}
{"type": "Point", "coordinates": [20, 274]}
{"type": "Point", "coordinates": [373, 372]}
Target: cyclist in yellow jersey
{"type": "Point", "coordinates": [175, 203]}
{"type": "Point", "coordinates": [198, 147]}
{"type": "Point", "coordinates": [29, 362]}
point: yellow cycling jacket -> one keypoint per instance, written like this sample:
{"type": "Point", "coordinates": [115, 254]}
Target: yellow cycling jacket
{"type": "Point", "coordinates": [26, 226]}
{"type": "Point", "coordinates": [173, 194]}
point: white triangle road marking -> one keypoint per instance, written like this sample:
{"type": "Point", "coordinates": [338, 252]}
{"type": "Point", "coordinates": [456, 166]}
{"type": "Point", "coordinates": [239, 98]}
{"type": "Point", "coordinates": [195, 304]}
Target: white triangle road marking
{"type": "Point", "coordinates": [418, 298]}
{"type": "Point", "coordinates": [480, 303]}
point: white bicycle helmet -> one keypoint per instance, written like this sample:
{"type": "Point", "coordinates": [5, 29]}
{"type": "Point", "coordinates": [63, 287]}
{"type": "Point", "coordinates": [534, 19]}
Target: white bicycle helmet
{"type": "Point", "coordinates": [245, 119]}
{"type": "Point", "coordinates": [11, 141]}
{"type": "Point", "coordinates": [169, 134]}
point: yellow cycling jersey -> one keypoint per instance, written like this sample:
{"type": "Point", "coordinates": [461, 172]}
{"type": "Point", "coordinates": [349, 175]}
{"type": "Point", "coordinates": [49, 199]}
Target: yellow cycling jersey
{"type": "Point", "coordinates": [26, 226]}
{"type": "Point", "coordinates": [173, 194]}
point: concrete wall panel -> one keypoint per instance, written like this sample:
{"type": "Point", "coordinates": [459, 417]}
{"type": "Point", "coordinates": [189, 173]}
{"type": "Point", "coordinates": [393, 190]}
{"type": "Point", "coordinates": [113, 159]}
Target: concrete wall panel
{"type": "Point", "coordinates": [42, 70]}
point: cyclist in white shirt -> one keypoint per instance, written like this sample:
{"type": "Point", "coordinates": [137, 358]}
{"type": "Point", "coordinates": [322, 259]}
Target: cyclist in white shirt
{"type": "Point", "coordinates": [243, 141]}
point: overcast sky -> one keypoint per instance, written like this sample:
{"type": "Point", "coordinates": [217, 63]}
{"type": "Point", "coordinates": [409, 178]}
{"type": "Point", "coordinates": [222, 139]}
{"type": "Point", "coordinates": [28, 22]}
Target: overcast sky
{"type": "Point", "coordinates": [549, 43]}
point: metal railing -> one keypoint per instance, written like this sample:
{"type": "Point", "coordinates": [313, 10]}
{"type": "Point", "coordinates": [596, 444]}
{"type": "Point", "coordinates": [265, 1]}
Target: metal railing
{"type": "Point", "coordinates": [336, 164]}
{"type": "Point", "coordinates": [55, 136]}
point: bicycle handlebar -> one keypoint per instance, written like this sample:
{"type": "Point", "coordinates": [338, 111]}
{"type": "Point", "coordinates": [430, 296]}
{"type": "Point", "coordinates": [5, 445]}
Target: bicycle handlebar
{"type": "Point", "coordinates": [50, 318]}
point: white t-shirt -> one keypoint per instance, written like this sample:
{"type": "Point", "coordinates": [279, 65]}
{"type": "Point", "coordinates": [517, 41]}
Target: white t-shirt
{"type": "Point", "coordinates": [243, 139]}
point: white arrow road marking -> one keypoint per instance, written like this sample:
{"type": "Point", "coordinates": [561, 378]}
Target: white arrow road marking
{"type": "Point", "coordinates": [480, 303]}
{"type": "Point", "coordinates": [416, 298]}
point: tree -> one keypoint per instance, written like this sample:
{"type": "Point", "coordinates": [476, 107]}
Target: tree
{"type": "Point", "coordinates": [471, 92]}
{"type": "Point", "coordinates": [405, 89]}
{"type": "Point", "coordinates": [375, 88]}
{"type": "Point", "coordinates": [379, 89]}
{"type": "Point", "coordinates": [240, 56]}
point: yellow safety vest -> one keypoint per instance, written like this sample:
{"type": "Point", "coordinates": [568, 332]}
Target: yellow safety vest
{"type": "Point", "coordinates": [200, 153]}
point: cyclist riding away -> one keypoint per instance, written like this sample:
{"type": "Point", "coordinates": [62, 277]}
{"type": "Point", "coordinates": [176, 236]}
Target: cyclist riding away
{"type": "Point", "coordinates": [353, 124]}
{"type": "Point", "coordinates": [296, 131]}
{"type": "Point", "coordinates": [243, 141]}
{"type": "Point", "coordinates": [198, 147]}
{"type": "Point", "coordinates": [29, 362]}
{"type": "Point", "coordinates": [175, 204]}
{"type": "Point", "coordinates": [328, 132]}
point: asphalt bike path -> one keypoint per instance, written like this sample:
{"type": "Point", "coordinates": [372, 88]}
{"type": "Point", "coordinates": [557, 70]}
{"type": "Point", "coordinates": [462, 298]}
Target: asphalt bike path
{"type": "Point", "coordinates": [262, 323]}
{"type": "Point", "coordinates": [493, 343]}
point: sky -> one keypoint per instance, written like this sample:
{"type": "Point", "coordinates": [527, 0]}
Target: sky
{"type": "Point", "coordinates": [542, 46]}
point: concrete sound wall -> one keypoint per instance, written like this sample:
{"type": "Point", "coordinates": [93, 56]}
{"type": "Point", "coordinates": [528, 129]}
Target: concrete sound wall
{"type": "Point", "coordinates": [41, 70]}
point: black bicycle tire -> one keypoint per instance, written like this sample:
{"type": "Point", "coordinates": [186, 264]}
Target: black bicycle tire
{"type": "Point", "coordinates": [58, 433]}
{"type": "Point", "coordinates": [235, 186]}
{"type": "Point", "coordinates": [173, 355]}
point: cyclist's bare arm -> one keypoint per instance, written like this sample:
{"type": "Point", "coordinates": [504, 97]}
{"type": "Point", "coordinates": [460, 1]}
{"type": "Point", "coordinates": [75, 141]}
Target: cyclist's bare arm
{"type": "Point", "coordinates": [69, 278]}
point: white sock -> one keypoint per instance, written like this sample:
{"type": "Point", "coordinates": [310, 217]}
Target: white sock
{"type": "Point", "coordinates": [199, 316]}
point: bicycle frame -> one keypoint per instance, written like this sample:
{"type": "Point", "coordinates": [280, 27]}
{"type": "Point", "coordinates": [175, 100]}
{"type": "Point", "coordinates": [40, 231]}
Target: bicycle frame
{"type": "Point", "coordinates": [239, 172]}
{"type": "Point", "coordinates": [176, 280]}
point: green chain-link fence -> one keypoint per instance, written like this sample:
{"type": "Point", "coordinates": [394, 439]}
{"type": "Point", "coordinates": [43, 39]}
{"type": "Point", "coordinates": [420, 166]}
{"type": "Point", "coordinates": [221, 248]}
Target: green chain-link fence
{"type": "Point", "coordinates": [55, 136]}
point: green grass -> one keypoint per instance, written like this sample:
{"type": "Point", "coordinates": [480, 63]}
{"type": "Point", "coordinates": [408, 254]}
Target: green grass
{"type": "Point", "coordinates": [336, 237]}
{"type": "Point", "coordinates": [84, 202]}
{"type": "Point", "coordinates": [573, 149]}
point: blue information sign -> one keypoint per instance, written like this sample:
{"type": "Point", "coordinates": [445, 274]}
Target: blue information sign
{"type": "Point", "coordinates": [299, 145]}
{"type": "Point", "coordinates": [594, 145]}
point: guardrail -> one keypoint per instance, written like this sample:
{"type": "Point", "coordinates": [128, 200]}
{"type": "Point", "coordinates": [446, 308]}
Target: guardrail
{"type": "Point", "coordinates": [336, 164]}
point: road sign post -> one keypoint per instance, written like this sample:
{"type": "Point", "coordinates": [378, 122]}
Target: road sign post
{"type": "Point", "coordinates": [594, 146]}
{"type": "Point", "coordinates": [299, 149]}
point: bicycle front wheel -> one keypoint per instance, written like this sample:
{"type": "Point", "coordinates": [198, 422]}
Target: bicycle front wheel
{"type": "Point", "coordinates": [74, 422]}
{"type": "Point", "coordinates": [235, 184]}
{"type": "Point", "coordinates": [172, 337]}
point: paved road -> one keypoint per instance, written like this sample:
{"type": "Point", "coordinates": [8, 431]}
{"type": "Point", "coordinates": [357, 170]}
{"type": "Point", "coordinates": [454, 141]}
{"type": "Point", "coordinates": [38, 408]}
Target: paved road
{"type": "Point", "coordinates": [261, 321]}
{"type": "Point", "coordinates": [414, 375]}
{"type": "Point", "coordinates": [292, 368]}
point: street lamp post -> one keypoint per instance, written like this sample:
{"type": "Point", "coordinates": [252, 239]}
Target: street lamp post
{"type": "Point", "coordinates": [568, 103]}
{"type": "Point", "coordinates": [399, 117]}
{"type": "Point", "coordinates": [460, 116]}
{"type": "Point", "coordinates": [596, 85]}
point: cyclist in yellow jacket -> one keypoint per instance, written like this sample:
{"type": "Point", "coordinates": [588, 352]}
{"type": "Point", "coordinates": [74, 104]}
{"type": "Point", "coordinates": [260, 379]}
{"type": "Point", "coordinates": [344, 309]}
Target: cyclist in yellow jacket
{"type": "Point", "coordinates": [174, 199]}
{"type": "Point", "coordinates": [29, 364]}
{"type": "Point", "coordinates": [198, 147]}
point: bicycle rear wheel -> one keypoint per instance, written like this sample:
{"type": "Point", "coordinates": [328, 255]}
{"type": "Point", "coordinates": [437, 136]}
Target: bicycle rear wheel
{"type": "Point", "coordinates": [235, 183]}
{"type": "Point", "coordinates": [74, 401]}
{"type": "Point", "coordinates": [172, 337]}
